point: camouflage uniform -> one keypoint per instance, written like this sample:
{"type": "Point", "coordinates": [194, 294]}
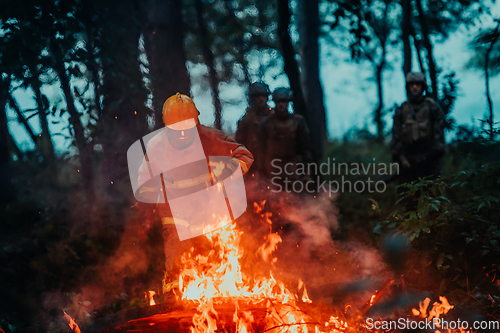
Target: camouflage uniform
{"type": "Point", "coordinates": [285, 137]}
{"type": "Point", "coordinates": [285, 141]}
{"type": "Point", "coordinates": [417, 133]}
{"type": "Point", "coordinates": [247, 132]}
{"type": "Point", "coordinates": [248, 125]}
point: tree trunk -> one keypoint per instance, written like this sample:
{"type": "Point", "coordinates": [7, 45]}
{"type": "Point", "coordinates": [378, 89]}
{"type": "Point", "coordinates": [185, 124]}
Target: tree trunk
{"type": "Point", "coordinates": [79, 134]}
{"type": "Point", "coordinates": [7, 194]}
{"type": "Point", "coordinates": [418, 47]}
{"type": "Point", "coordinates": [94, 70]}
{"type": "Point", "coordinates": [209, 61]}
{"type": "Point", "coordinates": [242, 46]}
{"type": "Point", "coordinates": [406, 32]}
{"type": "Point", "coordinates": [487, 79]}
{"type": "Point", "coordinates": [379, 68]}
{"type": "Point", "coordinates": [20, 117]}
{"type": "Point", "coordinates": [124, 111]}
{"type": "Point", "coordinates": [428, 47]}
{"type": "Point", "coordinates": [291, 66]}
{"type": "Point", "coordinates": [312, 84]}
{"type": "Point", "coordinates": [45, 146]}
{"type": "Point", "coordinates": [164, 41]}
{"type": "Point", "coordinates": [378, 114]}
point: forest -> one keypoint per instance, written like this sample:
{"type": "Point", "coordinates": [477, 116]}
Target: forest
{"type": "Point", "coordinates": [82, 80]}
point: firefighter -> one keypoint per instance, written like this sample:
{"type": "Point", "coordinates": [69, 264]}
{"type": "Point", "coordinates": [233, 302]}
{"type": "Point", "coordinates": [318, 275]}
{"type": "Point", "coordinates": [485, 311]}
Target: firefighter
{"type": "Point", "coordinates": [418, 132]}
{"type": "Point", "coordinates": [248, 126]}
{"type": "Point", "coordinates": [178, 148]}
{"type": "Point", "coordinates": [284, 138]}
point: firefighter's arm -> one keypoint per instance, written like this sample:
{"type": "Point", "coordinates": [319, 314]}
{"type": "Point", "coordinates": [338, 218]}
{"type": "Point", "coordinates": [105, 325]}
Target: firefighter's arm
{"type": "Point", "coordinates": [396, 143]}
{"type": "Point", "coordinates": [240, 154]}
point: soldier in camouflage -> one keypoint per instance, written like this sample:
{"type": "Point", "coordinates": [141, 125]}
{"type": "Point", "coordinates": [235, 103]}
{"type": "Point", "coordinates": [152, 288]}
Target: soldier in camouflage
{"type": "Point", "coordinates": [418, 132]}
{"type": "Point", "coordinates": [248, 126]}
{"type": "Point", "coordinates": [284, 137]}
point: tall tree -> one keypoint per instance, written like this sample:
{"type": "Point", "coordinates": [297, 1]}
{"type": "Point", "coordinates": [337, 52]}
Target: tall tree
{"type": "Point", "coordinates": [208, 56]}
{"type": "Point", "coordinates": [7, 194]}
{"type": "Point", "coordinates": [291, 65]}
{"type": "Point", "coordinates": [11, 101]}
{"type": "Point", "coordinates": [487, 58]}
{"type": "Point", "coordinates": [406, 29]}
{"type": "Point", "coordinates": [312, 85]}
{"type": "Point", "coordinates": [433, 70]}
{"type": "Point", "coordinates": [494, 38]}
{"type": "Point", "coordinates": [439, 18]}
{"type": "Point", "coordinates": [164, 43]}
{"type": "Point", "coordinates": [236, 32]}
{"type": "Point", "coordinates": [46, 145]}
{"type": "Point", "coordinates": [84, 149]}
{"type": "Point", "coordinates": [123, 90]}
{"type": "Point", "coordinates": [24, 43]}
{"type": "Point", "coordinates": [373, 26]}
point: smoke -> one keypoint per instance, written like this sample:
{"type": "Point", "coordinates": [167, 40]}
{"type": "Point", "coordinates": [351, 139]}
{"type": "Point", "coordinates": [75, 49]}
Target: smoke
{"type": "Point", "coordinates": [335, 271]}
{"type": "Point", "coordinates": [118, 282]}
{"type": "Point", "coordinates": [316, 217]}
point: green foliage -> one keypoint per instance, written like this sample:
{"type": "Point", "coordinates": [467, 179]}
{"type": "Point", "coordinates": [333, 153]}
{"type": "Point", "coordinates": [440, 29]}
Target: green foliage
{"type": "Point", "coordinates": [453, 224]}
{"type": "Point", "coordinates": [430, 199]}
{"type": "Point", "coordinates": [445, 16]}
{"type": "Point", "coordinates": [236, 28]}
{"type": "Point", "coordinates": [449, 89]}
{"type": "Point", "coordinates": [359, 212]}
{"type": "Point", "coordinates": [486, 39]}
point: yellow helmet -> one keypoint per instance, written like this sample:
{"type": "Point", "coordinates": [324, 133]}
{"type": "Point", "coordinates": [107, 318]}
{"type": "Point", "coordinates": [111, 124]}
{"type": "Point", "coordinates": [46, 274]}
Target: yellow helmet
{"type": "Point", "coordinates": [178, 108]}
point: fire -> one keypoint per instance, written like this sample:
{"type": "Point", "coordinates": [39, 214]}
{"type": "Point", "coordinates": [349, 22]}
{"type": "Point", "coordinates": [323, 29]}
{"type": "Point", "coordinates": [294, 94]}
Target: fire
{"type": "Point", "coordinates": [219, 273]}
{"type": "Point", "coordinates": [151, 297]}
{"type": "Point", "coordinates": [215, 282]}
{"type": "Point", "coordinates": [305, 298]}
{"type": "Point", "coordinates": [372, 299]}
{"type": "Point", "coordinates": [71, 323]}
{"type": "Point", "coordinates": [217, 278]}
{"type": "Point", "coordinates": [437, 308]}
{"type": "Point", "coordinates": [243, 323]}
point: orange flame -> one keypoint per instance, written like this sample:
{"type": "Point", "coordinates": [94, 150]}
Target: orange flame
{"type": "Point", "coordinates": [243, 323]}
{"type": "Point", "coordinates": [437, 308]}
{"type": "Point", "coordinates": [217, 277]}
{"type": "Point", "coordinates": [151, 297]}
{"type": "Point", "coordinates": [71, 323]}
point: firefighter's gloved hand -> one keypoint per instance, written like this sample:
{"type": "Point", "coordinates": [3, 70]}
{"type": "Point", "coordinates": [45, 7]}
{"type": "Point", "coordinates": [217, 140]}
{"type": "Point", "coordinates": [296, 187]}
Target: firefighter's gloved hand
{"type": "Point", "coordinates": [220, 171]}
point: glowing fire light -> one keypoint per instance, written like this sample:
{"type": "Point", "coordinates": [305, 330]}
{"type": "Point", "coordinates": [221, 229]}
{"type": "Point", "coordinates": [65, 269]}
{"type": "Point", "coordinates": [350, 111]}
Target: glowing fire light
{"type": "Point", "coordinates": [151, 297]}
{"type": "Point", "coordinates": [437, 308]}
{"type": "Point", "coordinates": [217, 278]}
{"type": "Point", "coordinates": [71, 322]}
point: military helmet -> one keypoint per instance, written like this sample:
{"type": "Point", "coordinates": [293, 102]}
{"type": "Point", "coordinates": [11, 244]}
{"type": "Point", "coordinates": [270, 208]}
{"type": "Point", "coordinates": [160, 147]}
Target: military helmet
{"type": "Point", "coordinates": [258, 88]}
{"type": "Point", "coordinates": [416, 77]}
{"type": "Point", "coordinates": [282, 94]}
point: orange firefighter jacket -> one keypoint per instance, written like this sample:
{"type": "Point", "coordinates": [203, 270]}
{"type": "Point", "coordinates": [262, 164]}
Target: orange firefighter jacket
{"type": "Point", "coordinates": [163, 156]}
